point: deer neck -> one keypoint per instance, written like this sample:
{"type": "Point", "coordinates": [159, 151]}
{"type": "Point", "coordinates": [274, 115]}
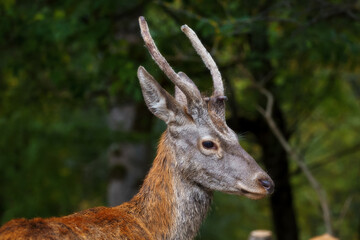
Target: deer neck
{"type": "Point", "coordinates": [170, 206]}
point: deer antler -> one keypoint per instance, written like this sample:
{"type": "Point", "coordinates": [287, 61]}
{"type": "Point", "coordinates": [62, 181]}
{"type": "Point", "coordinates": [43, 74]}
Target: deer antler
{"type": "Point", "coordinates": [187, 87]}
{"type": "Point", "coordinates": [207, 59]}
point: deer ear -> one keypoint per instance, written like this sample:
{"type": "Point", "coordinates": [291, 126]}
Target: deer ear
{"type": "Point", "coordinates": [159, 102]}
{"type": "Point", "coordinates": [180, 96]}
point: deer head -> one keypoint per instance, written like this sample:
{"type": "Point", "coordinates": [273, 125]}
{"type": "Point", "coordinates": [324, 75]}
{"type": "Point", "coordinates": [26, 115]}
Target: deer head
{"type": "Point", "coordinates": [207, 152]}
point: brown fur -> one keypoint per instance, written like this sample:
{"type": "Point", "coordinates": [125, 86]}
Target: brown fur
{"type": "Point", "coordinates": [147, 216]}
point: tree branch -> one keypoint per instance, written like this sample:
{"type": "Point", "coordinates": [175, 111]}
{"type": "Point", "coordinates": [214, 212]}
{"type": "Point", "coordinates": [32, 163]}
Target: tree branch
{"type": "Point", "coordinates": [267, 114]}
{"type": "Point", "coordinates": [320, 162]}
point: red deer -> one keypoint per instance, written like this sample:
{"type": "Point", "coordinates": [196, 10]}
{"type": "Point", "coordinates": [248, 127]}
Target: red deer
{"type": "Point", "coordinates": [197, 155]}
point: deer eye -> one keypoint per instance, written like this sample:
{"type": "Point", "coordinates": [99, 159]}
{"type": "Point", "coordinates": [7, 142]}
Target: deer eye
{"type": "Point", "coordinates": [208, 144]}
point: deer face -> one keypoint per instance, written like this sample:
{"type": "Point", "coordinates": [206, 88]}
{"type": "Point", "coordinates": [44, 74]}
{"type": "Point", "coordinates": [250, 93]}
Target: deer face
{"type": "Point", "coordinates": [216, 161]}
{"type": "Point", "coordinates": [207, 151]}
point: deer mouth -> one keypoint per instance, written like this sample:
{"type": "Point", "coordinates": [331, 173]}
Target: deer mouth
{"type": "Point", "coordinates": [244, 190]}
{"type": "Point", "coordinates": [248, 194]}
{"type": "Point", "coordinates": [252, 195]}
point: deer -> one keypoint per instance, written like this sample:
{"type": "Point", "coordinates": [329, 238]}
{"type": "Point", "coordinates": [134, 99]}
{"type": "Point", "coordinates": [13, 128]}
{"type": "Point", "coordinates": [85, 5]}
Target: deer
{"type": "Point", "coordinates": [197, 155]}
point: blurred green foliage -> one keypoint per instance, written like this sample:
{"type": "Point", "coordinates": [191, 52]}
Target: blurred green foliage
{"type": "Point", "coordinates": [60, 68]}
{"type": "Point", "coordinates": [64, 63]}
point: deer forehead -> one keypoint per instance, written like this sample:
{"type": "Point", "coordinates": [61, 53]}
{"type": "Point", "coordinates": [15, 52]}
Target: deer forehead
{"type": "Point", "coordinates": [202, 131]}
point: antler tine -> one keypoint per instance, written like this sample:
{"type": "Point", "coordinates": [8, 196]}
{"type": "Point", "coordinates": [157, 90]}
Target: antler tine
{"type": "Point", "coordinates": [186, 87]}
{"type": "Point", "coordinates": [207, 59]}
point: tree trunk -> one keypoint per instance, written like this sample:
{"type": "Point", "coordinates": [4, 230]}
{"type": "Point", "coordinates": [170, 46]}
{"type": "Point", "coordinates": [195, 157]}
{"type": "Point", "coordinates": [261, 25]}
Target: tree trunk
{"type": "Point", "coordinates": [275, 160]}
{"type": "Point", "coordinates": [276, 163]}
{"type": "Point", "coordinates": [274, 156]}
{"type": "Point", "coordinates": [128, 162]}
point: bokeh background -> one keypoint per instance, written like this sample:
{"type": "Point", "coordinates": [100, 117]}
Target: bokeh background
{"type": "Point", "coordinates": [75, 132]}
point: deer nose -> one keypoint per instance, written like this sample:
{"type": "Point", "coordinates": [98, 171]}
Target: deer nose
{"type": "Point", "coordinates": [268, 185]}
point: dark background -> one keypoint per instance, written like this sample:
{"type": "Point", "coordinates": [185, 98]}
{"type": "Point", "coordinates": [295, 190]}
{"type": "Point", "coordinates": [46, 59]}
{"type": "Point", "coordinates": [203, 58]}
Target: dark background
{"type": "Point", "coordinates": [75, 132]}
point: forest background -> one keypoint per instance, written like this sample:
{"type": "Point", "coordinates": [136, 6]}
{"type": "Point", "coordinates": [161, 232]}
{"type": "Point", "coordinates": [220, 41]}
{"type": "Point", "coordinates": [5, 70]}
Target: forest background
{"type": "Point", "coordinates": [75, 132]}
